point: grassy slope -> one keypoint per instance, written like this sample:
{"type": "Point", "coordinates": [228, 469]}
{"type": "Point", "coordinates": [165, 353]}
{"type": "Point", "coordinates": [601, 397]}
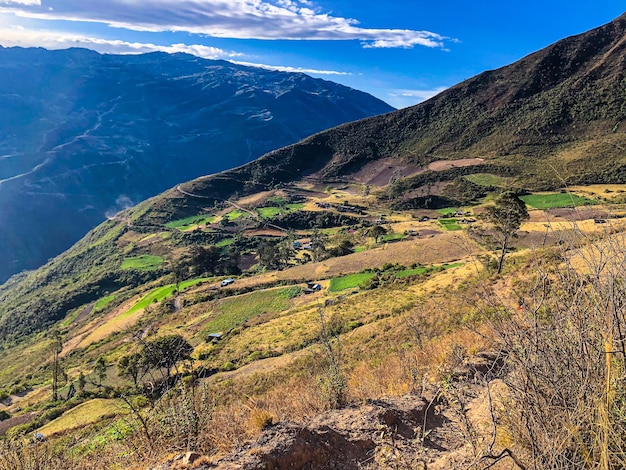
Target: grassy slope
{"type": "Point", "coordinates": [510, 132]}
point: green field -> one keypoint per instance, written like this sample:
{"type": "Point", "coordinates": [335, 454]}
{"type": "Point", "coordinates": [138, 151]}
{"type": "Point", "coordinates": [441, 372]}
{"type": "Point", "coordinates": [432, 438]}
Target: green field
{"type": "Point", "coordinates": [556, 200]}
{"type": "Point", "coordinates": [225, 242]}
{"type": "Point", "coordinates": [447, 211]}
{"type": "Point", "coordinates": [89, 412]}
{"type": "Point", "coordinates": [142, 263]}
{"type": "Point", "coordinates": [392, 237]}
{"type": "Point", "coordinates": [187, 222]}
{"type": "Point", "coordinates": [234, 311]}
{"type": "Point", "coordinates": [163, 292]}
{"type": "Point", "coordinates": [487, 179]}
{"type": "Point", "coordinates": [350, 281]}
{"type": "Point", "coordinates": [450, 224]}
{"type": "Point", "coordinates": [236, 214]}
{"type": "Point", "coordinates": [273, 211]}
{"type": "Point", "coordinates": [103, 302]}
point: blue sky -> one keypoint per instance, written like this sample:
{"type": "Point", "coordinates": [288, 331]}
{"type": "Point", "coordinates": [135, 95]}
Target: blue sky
{"type": "Point", "coordinates": [402, 51]}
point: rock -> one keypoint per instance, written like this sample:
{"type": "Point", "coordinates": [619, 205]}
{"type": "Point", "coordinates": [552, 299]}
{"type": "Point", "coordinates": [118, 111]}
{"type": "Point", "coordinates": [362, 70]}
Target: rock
{"type": "Point", "coordinates": [190, 457]}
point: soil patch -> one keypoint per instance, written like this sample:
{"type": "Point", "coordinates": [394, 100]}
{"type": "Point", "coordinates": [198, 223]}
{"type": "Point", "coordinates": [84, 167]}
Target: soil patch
{"type": "Point", "coordinates": [569, 213]}
{"type": "Point", "coordinates": [441, 165]}
{"type": "Point", "coordinates": [379, 173]}
{"type": "Point", "coordinates": [267, 232]}
{"type": "Point", "coordinates": [15, 421]}
{"type": "Point", "coordinates": [354, 437]}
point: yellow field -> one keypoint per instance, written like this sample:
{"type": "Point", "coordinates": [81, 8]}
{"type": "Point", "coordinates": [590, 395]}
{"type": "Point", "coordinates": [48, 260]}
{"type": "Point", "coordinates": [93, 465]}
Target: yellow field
{"type": "Point", "coordinates": [86, 413]}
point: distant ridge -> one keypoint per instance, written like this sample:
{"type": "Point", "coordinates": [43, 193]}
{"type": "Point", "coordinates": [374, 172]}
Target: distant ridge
{"type": "Point", "coordinates": [84, 134]}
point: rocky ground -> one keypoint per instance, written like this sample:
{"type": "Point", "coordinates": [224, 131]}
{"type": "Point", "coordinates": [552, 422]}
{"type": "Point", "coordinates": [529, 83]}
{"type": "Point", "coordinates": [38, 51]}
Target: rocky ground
{"type": "Point", "coordinates": [437, 429]}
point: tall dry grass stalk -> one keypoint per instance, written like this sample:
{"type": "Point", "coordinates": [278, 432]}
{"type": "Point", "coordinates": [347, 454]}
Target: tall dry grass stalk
{"type": "Point", "coordinates": [565, 339]}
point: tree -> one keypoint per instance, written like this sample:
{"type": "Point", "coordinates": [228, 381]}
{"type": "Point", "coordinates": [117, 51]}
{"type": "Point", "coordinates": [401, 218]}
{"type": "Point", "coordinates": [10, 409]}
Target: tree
{"type": "Point", "coordinates": [81, 382]}
{"type": "Point", "coordinates": [166, 351]}
{"type": "Point", "coordinates": [318, 245]}
{"type": "Point", "coordinates": [507, 216]}
{"type": "Point", "coordinates": [101, 370]}
{"type": "Point", "coordinates": [205, 259]}
{"type": "Point", "coordinates": [180, 270]}
{"type": "Point", "coordinates": [345, 247]}
{"type": "Point", "coordinates": [376, 232]}
{"type": "Point", "coordinates": [131, 366]}
{"type": "Point", "coordinates": [274, 255]}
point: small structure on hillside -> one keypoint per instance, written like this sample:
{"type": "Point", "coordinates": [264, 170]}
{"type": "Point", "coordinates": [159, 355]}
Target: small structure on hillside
{"type": "Point", "coordinates": [214, 337]}
{"type": "Point", "coordinates": [312, 287]}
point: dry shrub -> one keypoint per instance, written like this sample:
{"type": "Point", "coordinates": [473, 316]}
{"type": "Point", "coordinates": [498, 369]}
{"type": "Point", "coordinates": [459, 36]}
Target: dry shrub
{"type": "Point", "coordinates": [566, 347]}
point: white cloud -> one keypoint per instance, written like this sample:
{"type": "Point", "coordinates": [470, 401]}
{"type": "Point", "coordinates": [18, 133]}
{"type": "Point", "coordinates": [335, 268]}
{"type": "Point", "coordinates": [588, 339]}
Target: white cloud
{"type": "Point", "coordinates": [241, 19]}
{"type": "Point", "coordinates": [421, 95]}
{"type": "Point", "coordinates": [406, 98]}
{"type": "Point", "coordinates": [281, 68]}
{"type": "Point", "coordinates": [58, 40]}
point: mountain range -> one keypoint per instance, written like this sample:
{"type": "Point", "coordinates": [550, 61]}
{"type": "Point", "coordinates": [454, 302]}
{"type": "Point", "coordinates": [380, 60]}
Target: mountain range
{"type": "Point", "coordinates": [554, 118]}
{"type": "Point", "coordinates": [84, 135]}
{"type": "Point", "coordinates": [360, 262]}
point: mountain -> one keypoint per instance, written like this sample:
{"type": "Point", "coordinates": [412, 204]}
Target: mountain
{"type": "Point", "coordinates": [359, 263]}
{"type": "Point", "coordinates": [84, 135]}
{"type": "Point", "coordinates": [555, 117]}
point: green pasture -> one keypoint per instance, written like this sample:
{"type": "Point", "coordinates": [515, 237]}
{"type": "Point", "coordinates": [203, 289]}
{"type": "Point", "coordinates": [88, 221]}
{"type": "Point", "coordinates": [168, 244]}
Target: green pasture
{"type": "Point", "coordinates": [556, 200]}
{"type": "Point", "coordinates": [187, 222]}
{"type": "Point", "coordinates": [272, 211]}
{"type": "Point", "coordinates": [234, 311]}
{"type": "Point", "coordinates": [142, 263]}
{"type": "Point", "coordinates": [392, 237]}
{"type": "Point", "coordinates": [163, 292]}
{"type": "Point", "coordinates": [425, 270]}
{"type": "Point", "coordinates": [450, 224]}
{"type": "Point", "coordinates": [103, 302]}
{"type": "Point", "coordinates": [350, 281]}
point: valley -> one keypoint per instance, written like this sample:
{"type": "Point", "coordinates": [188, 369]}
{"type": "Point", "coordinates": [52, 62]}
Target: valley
{"type": "Point", "coordinates": [440, 287]}
{"type": "Point", "coordinates": [375, 272]}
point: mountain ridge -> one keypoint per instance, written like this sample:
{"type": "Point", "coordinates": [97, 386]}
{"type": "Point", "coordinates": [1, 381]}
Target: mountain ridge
{"type": "Point", "coordinates": [88, 133]}
{"type": "Point", "coordinates": [501, 115]}
{"type": "Point", "coordinates": [551, 144]}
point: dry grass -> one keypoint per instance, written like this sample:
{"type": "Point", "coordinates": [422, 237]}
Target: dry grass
{"type": "Point", "coordinates": [86, 413]}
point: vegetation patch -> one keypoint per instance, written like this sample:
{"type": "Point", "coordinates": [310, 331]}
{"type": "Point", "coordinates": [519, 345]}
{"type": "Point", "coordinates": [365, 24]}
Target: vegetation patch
{"type": "Point", "coordinates": [86, 413]}
{"type": "Point", "coordinates": [450, 224]}
{"type": "Point", "coordinates": [556, 200]}
{"type": "Point", "coordinates": [488, 180]}
{"type": "Point", "coordinates": [188, 222]}
{"type": "Point", "coordinates": [236, 214]}
{"type": "Point", "coordinates": [447, 211]}
{"type": "Point", "coordinates": [273, 211]}
{"type": "Point", "coordinates": [350, 281]}
{"type": "Point", "coordinates": [234, 311]}
{"type": "Point", "coordinates": [425, 270]}
{"type": "Point", "coordinates": [225, 242]}
{"type": "Point", "coordinates": [103, 302]}
{"type": "Point", "coordinates": [143, 262]}
{"type": "Point", "coordinates": [163, 292]}
{"type": "Point", "coordinates": [392, 237]}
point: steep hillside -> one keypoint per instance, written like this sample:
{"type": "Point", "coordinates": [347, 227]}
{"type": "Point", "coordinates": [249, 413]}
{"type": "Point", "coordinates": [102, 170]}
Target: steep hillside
{"type": "Point", "coordinates": [359, 263]}
{"type": "Point", "coordinates": [83, 135]}
{"type": "Point", "coordinates": [555, 117]}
